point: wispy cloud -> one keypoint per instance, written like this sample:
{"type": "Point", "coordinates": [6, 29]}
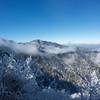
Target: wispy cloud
{"type": "Point", "coordinates": [19, 48]}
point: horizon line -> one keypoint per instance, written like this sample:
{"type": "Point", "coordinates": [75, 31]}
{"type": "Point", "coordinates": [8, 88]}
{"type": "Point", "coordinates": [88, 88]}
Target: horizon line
{"type": "Point", "coordinates": [63, 43]}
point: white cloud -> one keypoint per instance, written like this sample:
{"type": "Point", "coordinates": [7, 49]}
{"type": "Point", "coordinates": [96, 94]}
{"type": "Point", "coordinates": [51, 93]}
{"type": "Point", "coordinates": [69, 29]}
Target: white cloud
{"type": "Point", "coordinates": [31, 48]}
{"type": "Point", "coordinates": [19, 48]}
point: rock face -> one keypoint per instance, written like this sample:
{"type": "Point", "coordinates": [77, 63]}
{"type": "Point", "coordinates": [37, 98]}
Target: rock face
{"type": "Point", "coordinates": [39, 70]}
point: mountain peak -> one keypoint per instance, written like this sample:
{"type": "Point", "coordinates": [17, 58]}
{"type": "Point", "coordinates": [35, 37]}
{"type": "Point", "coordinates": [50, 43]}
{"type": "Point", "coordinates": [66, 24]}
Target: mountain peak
{"type": "Point", "coordinates": [35, 46]}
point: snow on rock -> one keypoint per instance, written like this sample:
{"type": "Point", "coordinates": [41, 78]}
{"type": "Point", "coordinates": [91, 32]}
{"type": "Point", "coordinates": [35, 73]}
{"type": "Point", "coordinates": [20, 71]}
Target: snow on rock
{"type": "Point", "coordinates": [94, 79]}
{"type": "Point", "coordinates": [75, 95]}
{"type": "Point", "coordinates": [49, 71]}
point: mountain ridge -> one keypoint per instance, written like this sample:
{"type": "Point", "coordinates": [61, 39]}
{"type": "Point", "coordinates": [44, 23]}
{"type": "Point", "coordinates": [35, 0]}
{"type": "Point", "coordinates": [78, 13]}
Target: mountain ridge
{"type": "Point", "coordinates": [51, 67]}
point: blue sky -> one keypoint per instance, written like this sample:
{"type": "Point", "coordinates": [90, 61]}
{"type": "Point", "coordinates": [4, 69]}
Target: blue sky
{"type": "Point", "coordinates": [62, 21]}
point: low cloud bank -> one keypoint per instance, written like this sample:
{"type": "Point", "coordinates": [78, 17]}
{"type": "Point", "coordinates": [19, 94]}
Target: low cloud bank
{"type": "Point", "coordinates": [33, 48]}
{"type": "Point", "coordinates": [20, 47]}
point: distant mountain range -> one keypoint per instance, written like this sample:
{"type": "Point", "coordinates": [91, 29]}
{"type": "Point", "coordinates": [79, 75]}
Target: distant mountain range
{"type": "Point", "coordinates": [41, 70]}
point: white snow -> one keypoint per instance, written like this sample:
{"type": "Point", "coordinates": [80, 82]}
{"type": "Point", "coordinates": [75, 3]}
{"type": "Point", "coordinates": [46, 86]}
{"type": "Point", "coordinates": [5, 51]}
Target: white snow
{"type": "Point", "coordinates": [75, 95]}
{"type": "Point", "coordinates": [94, 79]}
{"type": "Point", "coordinates": [28, 60]}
